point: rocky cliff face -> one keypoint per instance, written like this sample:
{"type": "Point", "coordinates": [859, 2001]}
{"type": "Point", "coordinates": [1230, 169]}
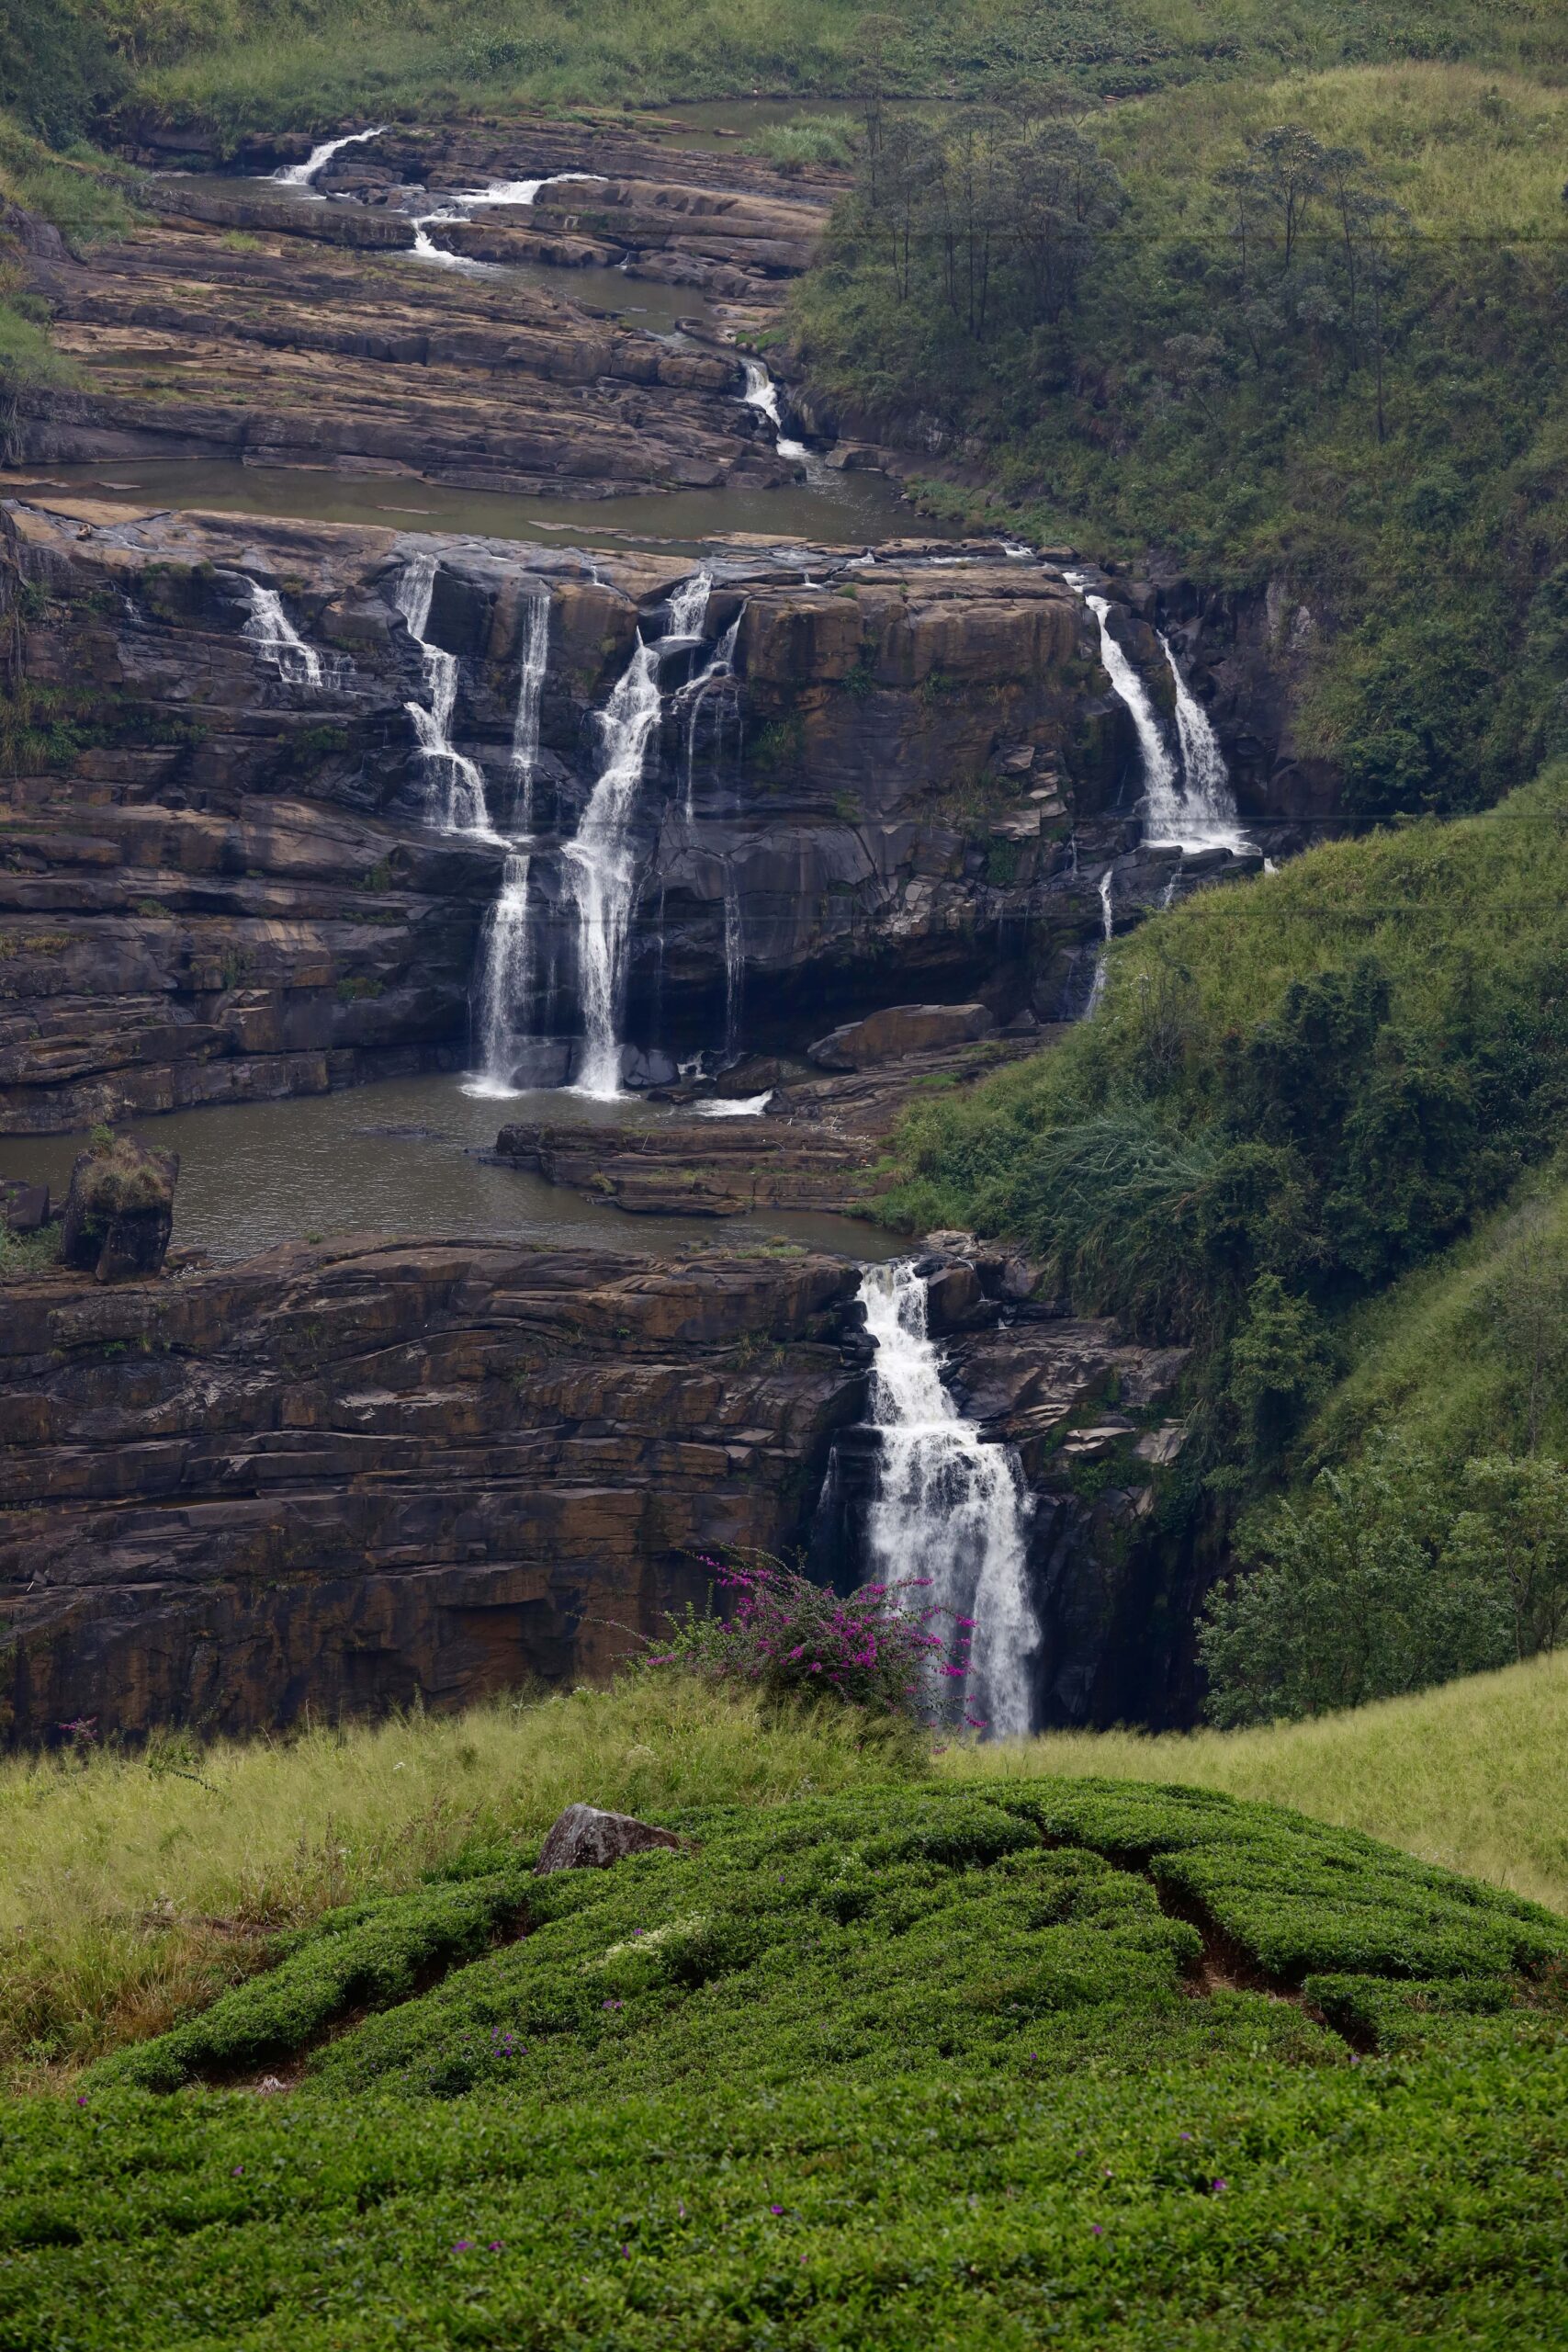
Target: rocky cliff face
{"type": "Point", "coordinates": [359, 1475]}
{"type": "Point", "coordinates": [219, 878]}
{"type": "Point", "coordinates": [250, 321]}
{"type": "Point", "coordinates": [355, 1477]}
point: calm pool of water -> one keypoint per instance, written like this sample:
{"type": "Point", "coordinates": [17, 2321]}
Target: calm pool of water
{"type": "Point", "coordinates": [840, 510]}
{"type": "Point", "coordinates": [398, 1157]}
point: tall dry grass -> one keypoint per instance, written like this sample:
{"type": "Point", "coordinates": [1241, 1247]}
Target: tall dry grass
{"type": "Point", "coordinates": [132, 1888]}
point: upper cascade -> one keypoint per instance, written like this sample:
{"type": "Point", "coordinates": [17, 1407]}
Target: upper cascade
{"type": "Point", "coordinates": [601, 863]}
{"type": "Point", "coordinates": [456, 803]}
{"type": "Point", "coordinates": [1189, 803]}
{"type": "Point", "coordinates": [304, 175]}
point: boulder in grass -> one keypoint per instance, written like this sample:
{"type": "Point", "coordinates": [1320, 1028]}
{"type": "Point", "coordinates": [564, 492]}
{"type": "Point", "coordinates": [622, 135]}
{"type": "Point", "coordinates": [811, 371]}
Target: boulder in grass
{"type": "Point", "coordinates": [119, 1211]}
{"type": "Point", "coordinates": [586, 1839]}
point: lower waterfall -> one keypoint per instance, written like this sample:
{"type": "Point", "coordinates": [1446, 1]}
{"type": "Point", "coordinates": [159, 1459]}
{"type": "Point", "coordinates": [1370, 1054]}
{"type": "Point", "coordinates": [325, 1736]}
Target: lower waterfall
{"type": "Point", "coordinates": [950, 1510]}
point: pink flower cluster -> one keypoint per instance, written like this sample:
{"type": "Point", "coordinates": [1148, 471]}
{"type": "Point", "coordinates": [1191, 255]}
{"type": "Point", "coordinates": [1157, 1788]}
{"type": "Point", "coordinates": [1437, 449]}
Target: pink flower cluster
{"type": "Point", "coordinates": [786, 1635]}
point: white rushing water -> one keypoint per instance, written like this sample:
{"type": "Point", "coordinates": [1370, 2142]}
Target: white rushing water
{"type": "Point", "coordinates": [457, 802]}
{"type": "Point", "coordinates": [271, 630]}
{"type": "Point", "coordinates": [743, 1106]}
{"type": "Point", "coordinates": [734, 959]}
{"type": "Point", "coordinates": [719, 674]}
{"type": "Point", "coordinates": [535, 660]}
{"type": "Point", "coordinates": [503, 982]}
{"type": "Point", "coordinates": [517, 191]}
{"type": "Point", "coordinates": [463, 203]}
{"type": "Point", "coordinates": [762, 393]}
{"type": "Point", "coordinates": [950, 1510]}
{"type": "Point", "coordinates": [1107, 928]}
{"type": "Point", "coordinates": [1189, 803]}
{"type": "Point", "coordinates": [601, 865]}
{"type": "Point", "coordinates": [304, 175]}
{"type": "Point", "coordinates": [1209, 815]}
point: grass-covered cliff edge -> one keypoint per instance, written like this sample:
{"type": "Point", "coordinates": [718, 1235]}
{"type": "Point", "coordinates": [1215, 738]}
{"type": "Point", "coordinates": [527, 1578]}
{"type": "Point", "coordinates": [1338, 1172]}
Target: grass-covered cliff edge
{"type": "Point", "coordinates": [989, 2054]}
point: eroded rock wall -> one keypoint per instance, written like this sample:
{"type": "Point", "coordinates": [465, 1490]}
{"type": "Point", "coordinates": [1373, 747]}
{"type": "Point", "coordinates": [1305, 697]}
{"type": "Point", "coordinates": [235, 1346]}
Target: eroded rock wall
{"type": "Point", "coordinates": [348, 1478]}
{"type": "Point", "coordinates": [219, 880]}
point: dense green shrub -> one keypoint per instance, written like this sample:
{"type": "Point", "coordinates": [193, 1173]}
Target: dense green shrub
{"type": "Point", "coordinates": [1396, 1572]}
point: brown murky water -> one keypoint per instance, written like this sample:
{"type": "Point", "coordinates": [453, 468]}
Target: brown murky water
{"type": "Point", "coordinates": [840, 511]}
{"type": "Point", "coordinates": [399, 1157]}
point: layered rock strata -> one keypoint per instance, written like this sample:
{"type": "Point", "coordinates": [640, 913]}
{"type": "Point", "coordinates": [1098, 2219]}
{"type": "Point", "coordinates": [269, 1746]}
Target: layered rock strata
{"type": "Point", "coordinates": [376, 1473]}
{"type": "Point", "coordinates": [220, 877]}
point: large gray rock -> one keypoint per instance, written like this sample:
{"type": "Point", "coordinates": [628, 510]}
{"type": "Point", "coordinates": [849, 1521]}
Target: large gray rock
{"type": "Point", "coordinates": [586, 1839]}
{"type": "Point", "coordinates": [897, 1030]}
{"type": "Point", "coordinates": [119, 1211]}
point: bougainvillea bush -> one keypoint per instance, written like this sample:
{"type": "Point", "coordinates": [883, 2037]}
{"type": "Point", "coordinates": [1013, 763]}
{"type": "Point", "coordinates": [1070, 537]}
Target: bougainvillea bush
{"type": "Point", "coordinates": [884, 1646]}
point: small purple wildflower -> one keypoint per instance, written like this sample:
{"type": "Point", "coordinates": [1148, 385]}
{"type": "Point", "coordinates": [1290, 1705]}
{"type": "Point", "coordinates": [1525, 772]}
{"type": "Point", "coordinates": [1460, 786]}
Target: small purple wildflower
{"type": "Point", "coordinates": [462, 2245]}
{"type": "Point", "coordinates": [237, 2170]}
{"type": "Point", "coordinates": [1218, 2185]}
{"type": "Point", "coordinates": [775, 2208]}
{"type": "Point", "coordinates": [495, 2247]}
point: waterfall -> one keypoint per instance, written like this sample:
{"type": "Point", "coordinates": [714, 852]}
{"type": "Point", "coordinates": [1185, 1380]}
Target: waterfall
{"type": "Point", "coordinates": [949, 1510]}
{"type": "Point", "coordinates": [1108, 926]}
{"type": "Point", "coordinates": [503, 980]}
{"type": "Point", "coordinates": [1187, 806]}
{"type": "Point", "coordinates": [734, 960]}
{"type": "Point", "coordinates": [530, 687]}
{"type": "Point", "coordinates": [599, 862]}
{"type": "Point", "coordinates": [1209, 813]}
{"type": "Point", "coordinates": [456, 800]}
{"type": "Point", "coordinates": [271, 630]}
{"type": "Point", "coordinates": [762, 393]}
{"type": "Point", "coordinates": [304, 175]}
{"type": "Point", "coordinates": [465, 202]}
{"type": "Point", "coordinates": [1162, 789]}
{"type": "Point", "coordinates": [425, 248]}
{"type": "Point", "coordinates": [720, 671]}
{"type": "Point", "coordinates": [518, 191]}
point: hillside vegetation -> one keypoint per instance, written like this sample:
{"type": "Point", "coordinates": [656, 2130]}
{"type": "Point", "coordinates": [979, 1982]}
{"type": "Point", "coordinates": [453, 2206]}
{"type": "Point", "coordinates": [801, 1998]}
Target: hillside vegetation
{"type": "Point", "coordinates": [1044, 2060]}
{"type": "Point", "coordinates": [132, 1887]}
{"type": "Point", "coordinates": [1298, 330]}
{"type": "Point", "coordinates": [300, 63]}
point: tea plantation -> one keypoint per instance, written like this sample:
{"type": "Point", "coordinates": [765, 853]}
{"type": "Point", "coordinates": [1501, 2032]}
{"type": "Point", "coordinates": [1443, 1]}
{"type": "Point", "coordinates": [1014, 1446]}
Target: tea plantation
{"type": "Point", "coordinates": [1060, 2063]}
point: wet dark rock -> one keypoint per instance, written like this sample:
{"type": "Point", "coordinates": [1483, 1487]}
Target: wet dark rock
{"type": "Point", "coordinates": [899, 1030]}
{"type": "Point", "coordinates": [24, 1208]}
{"type": "Point", "coordinates": [358, 1475]}
{"type": "Point", "coordinates": [584, 1838]}
{"type": "Point", "coordinates": [119, 1210]}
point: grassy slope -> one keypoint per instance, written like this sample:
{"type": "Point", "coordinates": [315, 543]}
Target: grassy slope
{"type": "Point", "coordinates": [131, 1886]}
{"type": "Point", "coordinates": [906, 2067]}
{"type": "Point", "coordinates": [249, 63]}
{"type": "Point", "coordinates": [1444, 908]}
{"type": "Point", "coordinates": [1474, 1776]}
